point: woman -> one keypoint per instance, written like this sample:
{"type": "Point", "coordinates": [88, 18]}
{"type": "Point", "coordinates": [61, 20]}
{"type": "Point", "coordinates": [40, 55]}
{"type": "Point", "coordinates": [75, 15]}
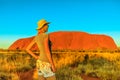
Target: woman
{"type": "Point", "coordinates": [44, 61]}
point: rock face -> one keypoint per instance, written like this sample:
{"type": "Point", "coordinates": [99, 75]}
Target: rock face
{"type": "Point", "coordinates": [71, 40]}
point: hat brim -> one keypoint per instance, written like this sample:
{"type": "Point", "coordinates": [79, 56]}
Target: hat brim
{"type": "Point", "coordinates": [43, 25]}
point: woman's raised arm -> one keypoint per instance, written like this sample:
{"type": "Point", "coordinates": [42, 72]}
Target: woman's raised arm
{"type": "Point", "coordinates": [28, 49]}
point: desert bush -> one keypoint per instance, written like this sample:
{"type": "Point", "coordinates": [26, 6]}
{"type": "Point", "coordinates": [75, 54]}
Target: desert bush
{"type": "Point", "coordinates": [105, 66]}
{"type": "Point", "coordinates": [5, 76]}
{"type": "Point", "coordinates": [66, 73]}
{"type": "Point", "coordinates": [70, 64]}
{"type": "Point", "coordinates": [12, 64]}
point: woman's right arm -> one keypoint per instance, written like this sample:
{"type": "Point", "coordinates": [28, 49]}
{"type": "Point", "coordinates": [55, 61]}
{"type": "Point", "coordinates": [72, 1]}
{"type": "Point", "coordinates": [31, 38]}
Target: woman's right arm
{"type": "Point", "coordinates": [29, 47]}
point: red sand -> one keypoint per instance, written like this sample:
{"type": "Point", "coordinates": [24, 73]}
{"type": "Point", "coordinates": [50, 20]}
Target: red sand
{"type": "Point", "coordinates": [29, 76]}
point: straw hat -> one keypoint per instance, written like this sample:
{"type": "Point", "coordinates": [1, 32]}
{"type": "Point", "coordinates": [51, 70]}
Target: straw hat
{"type": "Point", "coordinates": [41, 23]}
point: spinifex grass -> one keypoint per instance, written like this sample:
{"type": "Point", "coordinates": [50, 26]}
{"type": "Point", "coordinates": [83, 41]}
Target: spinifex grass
{"type": "Point", "coordinates": [70, 64]}
{"type": "Point", "coordinates": [13, 64]}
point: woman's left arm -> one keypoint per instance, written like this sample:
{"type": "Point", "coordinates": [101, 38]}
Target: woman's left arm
{"type": "Point", "coordinates": [46, 42]}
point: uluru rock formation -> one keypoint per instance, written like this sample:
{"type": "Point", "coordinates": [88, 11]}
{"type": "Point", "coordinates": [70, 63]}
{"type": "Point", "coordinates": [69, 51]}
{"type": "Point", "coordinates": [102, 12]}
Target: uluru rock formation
{"type": "Point", "coordinates": [71, 40]}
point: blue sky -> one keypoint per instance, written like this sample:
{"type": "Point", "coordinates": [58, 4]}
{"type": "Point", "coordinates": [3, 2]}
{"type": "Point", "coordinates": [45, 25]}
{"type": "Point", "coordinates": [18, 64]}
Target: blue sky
{"type": "Point", "coordinates": [18, 18]}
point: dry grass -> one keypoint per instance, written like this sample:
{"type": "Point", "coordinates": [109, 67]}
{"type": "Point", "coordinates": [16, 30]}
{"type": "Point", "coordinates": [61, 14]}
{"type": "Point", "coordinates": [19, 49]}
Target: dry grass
{"type": "Point", "coordinates": [70, 64]}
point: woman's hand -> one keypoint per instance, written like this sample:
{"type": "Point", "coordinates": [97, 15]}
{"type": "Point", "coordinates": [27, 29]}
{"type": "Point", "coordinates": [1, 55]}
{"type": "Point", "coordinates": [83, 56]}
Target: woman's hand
{"type": "Point", "coordinates": [53, 68]}
{"type": "Point", "coordinates": [37, 57]}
